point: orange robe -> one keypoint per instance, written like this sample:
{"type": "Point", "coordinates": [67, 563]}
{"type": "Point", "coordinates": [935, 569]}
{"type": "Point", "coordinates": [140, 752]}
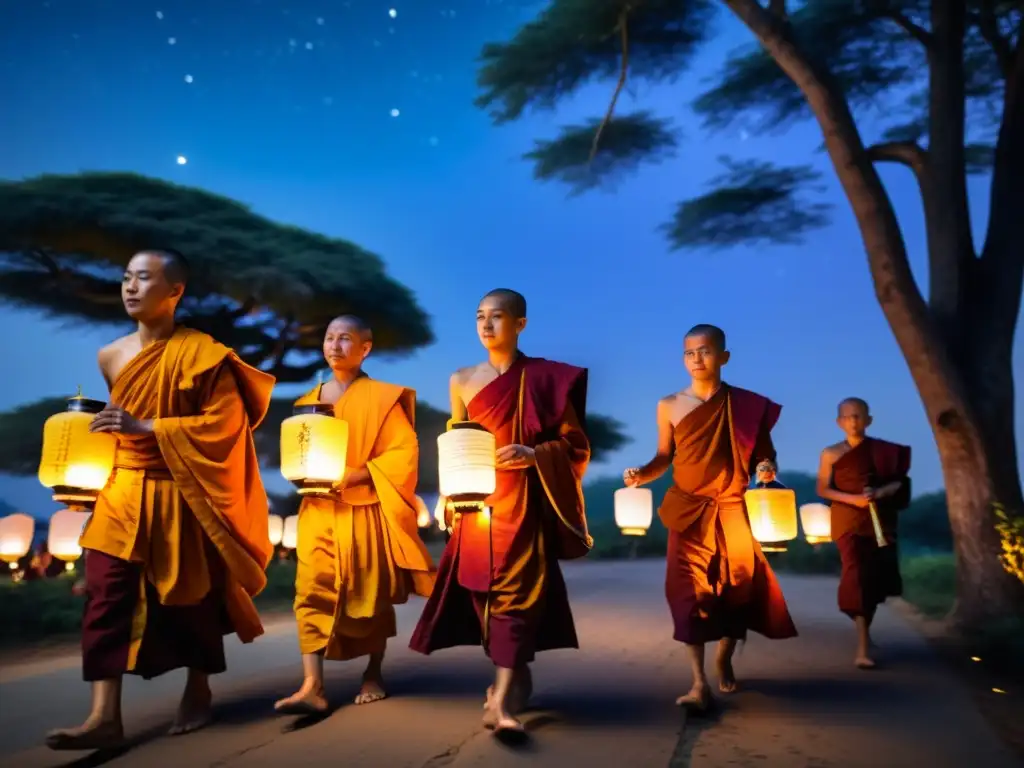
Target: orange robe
{"type": "Point", "coordinates": [499, 582]}
{"type": "Point", "coordinates": [718, 582]}
{"type": "Point", "coordinates": [177, 545]}
{"type": "Point", "coordinates": [870, 573]}
{"type": "Point", "coordinates": [360, 555]}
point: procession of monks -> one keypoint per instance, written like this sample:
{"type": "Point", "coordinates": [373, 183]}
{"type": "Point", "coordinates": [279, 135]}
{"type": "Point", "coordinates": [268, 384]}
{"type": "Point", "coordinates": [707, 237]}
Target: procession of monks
{"type": "Point", "coordinates": [177, 545]}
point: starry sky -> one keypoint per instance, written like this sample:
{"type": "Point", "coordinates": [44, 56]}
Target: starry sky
{"type": "Point", "coordinates": [355, 118]}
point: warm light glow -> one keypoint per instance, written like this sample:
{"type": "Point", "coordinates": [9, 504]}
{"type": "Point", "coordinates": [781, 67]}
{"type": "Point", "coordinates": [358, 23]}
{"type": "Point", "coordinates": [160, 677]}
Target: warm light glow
{"type": "Point", "coordinates": [975, 658]}
{"type": "Point", "coordinates": [75, 462]}
{"type": "Point", "coordinates": [439, 510]}
{"type": "Point", "coordinates": [65, 530]}
{"type": "Point", "coordinates": [422, 513]}
{"type": "Point", "coordinates": [314, 445]}
{"type": "Point", "coordinates": [772, 513]}
{"type": "Point", "coordinates": [816, 520]}
{"type": "Point", "coordinates": [16, 533]}
{"type": "Point", "coordinates": [275, 527]}
{"type": "Point", "coordinates": [998, 690]}
{"type": "Point", "coordinates": [634, 510]}
{"type": "Point", "coordinates": [465, 463]}
{"type": "Point", "coordinates": [290, 534]}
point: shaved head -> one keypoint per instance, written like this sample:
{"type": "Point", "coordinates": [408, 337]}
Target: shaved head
{"type": "Point", "coordinates": [856, 402]}
{"type": "Point", "coordinates": [713, 332]}
{"type": "Point", "coordinates": [513, 301]}
{"type": "Point", "coordinates": [176, 270]}
{"type": "Point", "coordinates": [354, 323]}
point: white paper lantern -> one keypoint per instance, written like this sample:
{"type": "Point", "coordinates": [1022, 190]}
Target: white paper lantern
{"type": "Point", "coordinates": [314, 446]}
{"type": "Point", "coordinates": [422, 513]}
{"type": "Point", "coordinates": [772, 513]}
{"type": "Point", "coordinates": [275, 527]}
{"type": "Point", "coordinates": [465, 464]}
{"type": "Point", "coordinates": [290, 533]}
{"type": "Point", "coordinates": [16, 533]}
{"type": "Point", "coordinates": [634, 510]}
{"type": "Point", "coordinates": [65, 531]}
{"type": "Point", "coordinates": [817, 522]}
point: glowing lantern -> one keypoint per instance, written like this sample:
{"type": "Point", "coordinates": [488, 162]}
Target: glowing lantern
{"type": "Point", "coordinates": [290, 532]}
{"type": "Point", "coordinates": [75, 462]}
{"type": "Point", "coordinates": [65, 530]}
{"type": "Point", "coordinates": [16, 533]}
{"type": "Point", "coordinates": [816, 520]}
{"type": "Point", "coordinates": [275, 527]}
{"type": "Point", "coordinates": [465, 465]}
{"type": "Point", "coordinates": [439, 512]}
{"type": "Point", "coordinates": [314, 445]}
{"type": "Point", "coordinates": [772, 514]}
{"type": "Point", "coordinates": [422, 513]}
{"type": "Point", "coordinates": [634, 510]}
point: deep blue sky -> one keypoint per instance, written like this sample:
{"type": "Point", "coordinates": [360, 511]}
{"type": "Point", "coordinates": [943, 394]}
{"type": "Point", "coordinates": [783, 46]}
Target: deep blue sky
{"type": "Point", "coordinates": [289, 110]}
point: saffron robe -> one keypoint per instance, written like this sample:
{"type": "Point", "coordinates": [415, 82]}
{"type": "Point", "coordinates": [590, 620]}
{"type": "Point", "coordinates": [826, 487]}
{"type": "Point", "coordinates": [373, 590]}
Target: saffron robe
{"type": "Point", "coordinates": [870, 573]}
{"type": "Point", "coordinates": [499, 583]}
{"type": "Point", "coordinates": [359, 554]}
{"type": "Point", "coordinates": [718, 582]}
{"type": "Point", "coordinates": [178, 543]}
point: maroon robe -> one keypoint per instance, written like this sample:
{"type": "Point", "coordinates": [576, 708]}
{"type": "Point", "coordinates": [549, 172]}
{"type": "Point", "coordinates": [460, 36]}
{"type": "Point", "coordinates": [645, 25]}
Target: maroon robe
{"type": "Point", "coordinates": [499, 583]}
{"type": "Point", "coordinates": [718, 582]}
{"type": "Point", "coordinates": [870, 573]}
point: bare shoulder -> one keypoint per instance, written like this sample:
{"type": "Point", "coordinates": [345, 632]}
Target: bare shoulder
{"type": "Point", "coordinates": [834, 451]}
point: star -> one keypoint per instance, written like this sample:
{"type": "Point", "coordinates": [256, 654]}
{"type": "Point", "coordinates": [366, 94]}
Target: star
{"type": "Point", "coordinates": [393, 13]}
{"type": "Point", "coordinates": [160, 15]}
{"type": "Point", "coordinates": [309, 46]}
{"type": "Point", "coordinates": [320, 20]}
{"type": "Point", "coordinates": [182, 160]}
{"type": "Point", "coordinates": [395, 113]}
{"type": "Point", "coordinates": [172, 40]}
{"type": "Point", "coordinates": [188, 78]}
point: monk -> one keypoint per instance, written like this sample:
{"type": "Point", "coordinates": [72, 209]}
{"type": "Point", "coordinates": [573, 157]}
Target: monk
{"type": "Point", "coordinates": [718, 582]}
{"type": "Point", "coordinates": [359, 551]}
{"type": "Point", "coordinates": [499, 583]}
{"type": "Point", "coordinates": [177, 545]}
{"type": "Point", "coordinates": [853, 474]}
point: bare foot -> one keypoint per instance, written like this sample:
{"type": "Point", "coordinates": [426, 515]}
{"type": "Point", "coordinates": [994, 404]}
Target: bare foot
{"type": "Point", "coordinates": [498, 720]}
{"type": "Point", "coordinates": [488, 695]}
{"type": "Point", "coordinates": [372, 690]}
{"type": "Point", "coordinates": [697, 700]}
{"type": "Point", "coordinates": [308, 701]}
{"type": "Point", "coordinates": [863, 661]}
{"type": "Point", "coordinates": [194, 711]}
{"type": "Point", "coordinates": [90, 735]}
{"type": "Point", "coordinates": [726, 676]}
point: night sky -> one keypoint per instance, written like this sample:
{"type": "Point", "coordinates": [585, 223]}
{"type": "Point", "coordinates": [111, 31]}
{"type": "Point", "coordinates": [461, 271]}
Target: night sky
{"type": "Point", "coordinates": [355, 119]}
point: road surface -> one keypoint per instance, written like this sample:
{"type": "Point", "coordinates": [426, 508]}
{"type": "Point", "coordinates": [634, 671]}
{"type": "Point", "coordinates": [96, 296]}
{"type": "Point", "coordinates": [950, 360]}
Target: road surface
{"type": "Point", "coordinates": [802, 704]}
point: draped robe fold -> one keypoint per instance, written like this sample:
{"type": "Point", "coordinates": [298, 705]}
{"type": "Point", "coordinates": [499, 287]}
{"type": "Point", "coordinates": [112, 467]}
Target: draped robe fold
{"type": "Point", "coordinates": [360, 555]}
{"type": "Point", "coordinates": [718, 582]}
{"type": "Point", "coordinates": [870, 573]}
{"type": "Point", "coordinates": [178, 542]}
{"type": "Point", "coordinates": [499, 582]}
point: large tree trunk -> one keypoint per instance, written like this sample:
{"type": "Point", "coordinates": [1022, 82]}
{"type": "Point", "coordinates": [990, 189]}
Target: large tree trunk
{"type": "Point", "coordinates": [971, 467]}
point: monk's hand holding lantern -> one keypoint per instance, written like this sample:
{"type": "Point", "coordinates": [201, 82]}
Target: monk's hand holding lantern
{"type": "Point", "coordinates": [466, 465]}
{"type": "Point", "coordinates": [772, 514]}
{"type": "Point", "coordinates": [77, 459]}
{"type": "Point", "coordinates": [314, 446]}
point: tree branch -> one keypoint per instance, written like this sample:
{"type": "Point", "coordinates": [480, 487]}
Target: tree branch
{"type": "Point", "coordinates": [908, 153]}
{"type": "Point", "coordinates": [988, 26]}
{"type": "Point", "coordinates": [624, 31]}
{"type": "Point", "coordinates": [919, 33]}
{"type": "Point", "coordinates": [777, 8]}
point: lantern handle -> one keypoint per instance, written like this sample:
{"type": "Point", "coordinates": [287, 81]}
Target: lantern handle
{"type": "Point", "coordinates": [78, 393]}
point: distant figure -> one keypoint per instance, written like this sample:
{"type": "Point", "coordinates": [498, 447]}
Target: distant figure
{"type": "Point", "coordinates": [851, 475]}
{"type": "Point", "coordinates": [177, 544]}
{"type": "Point", "coordinates": [536, 409]}
{"type": "Point", "coordinates": [766, 475]}
{"type": "Point", "coordinates": [718, 582]}
{"type": "Point", "coordinates": [359, 551]}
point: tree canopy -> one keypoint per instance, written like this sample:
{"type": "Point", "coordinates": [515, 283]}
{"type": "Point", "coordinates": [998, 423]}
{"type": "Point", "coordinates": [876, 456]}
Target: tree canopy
{"type": "Point", "coordinates": [266, 289]}
{"type": "Point", "coordinates": [22, 428]}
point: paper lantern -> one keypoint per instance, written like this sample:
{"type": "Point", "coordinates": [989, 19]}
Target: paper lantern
{"type": "Point", "coordinates": [772, 514]}
{"type": "Point", "coordinates": [465, 465]}
{"type": "Point", "coordinates": [422, 513]}
{"type": "Point", "coordinates": [66, 529]}
{"type": "Point", "coordinates": [314, 445]}
{"type": "Point", "coordinates": [16, 532]}
{"type": "Point", "coordinates": [275, 528]}
{"type": "Point", "coordinates": [439, 512]}
{"type": "Point", "coordinates": [290, 532]}
{"type": "Point", "coordinates": [634, 510]}
{"type": "Point", "coordinates": [816, 520]}
{"type": "Point", "coordinates": [76, 463]}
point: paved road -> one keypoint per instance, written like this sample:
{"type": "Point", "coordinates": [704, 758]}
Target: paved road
{"type": "Point", "coordinates": [611, 704]}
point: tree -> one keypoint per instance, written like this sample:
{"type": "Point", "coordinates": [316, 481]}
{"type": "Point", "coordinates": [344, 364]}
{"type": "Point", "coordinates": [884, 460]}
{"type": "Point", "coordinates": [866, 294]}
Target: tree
{"type": "Point", "coordinates": [941, 80]}
{"type": "Point", "coordinates": [22, 428]}
{"type": "Point", "coordinates": [268, 290]}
